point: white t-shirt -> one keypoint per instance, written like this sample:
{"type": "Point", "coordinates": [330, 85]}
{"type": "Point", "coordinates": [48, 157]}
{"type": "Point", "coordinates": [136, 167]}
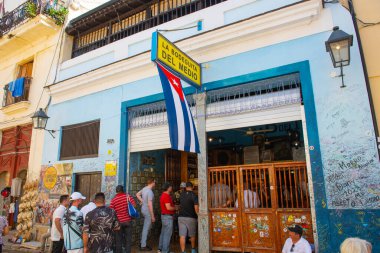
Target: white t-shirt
{"type": "Point", "coordinates": [58, 213]}
{"type": "Point", "coordinates": [302, 246]}
{"type": "Point", "coordinates": [87, 208]}
{"type": "Point", "coordinates": [251, 200]}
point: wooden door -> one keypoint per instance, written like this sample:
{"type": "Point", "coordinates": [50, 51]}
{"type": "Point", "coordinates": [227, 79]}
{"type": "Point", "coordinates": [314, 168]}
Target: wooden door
{"type": "Point", "coordinates": [225, 217]}
{"type": "Point", "coordinates": [88, 185]}
{"type": "Point", "coordinates": [273, 196]}
{"type": "Point", "coordinates": [258, 209]}
{"type": "Point", "coordinates": [26, 70]}
{"type": "Point", "coordinates": [173, 168]}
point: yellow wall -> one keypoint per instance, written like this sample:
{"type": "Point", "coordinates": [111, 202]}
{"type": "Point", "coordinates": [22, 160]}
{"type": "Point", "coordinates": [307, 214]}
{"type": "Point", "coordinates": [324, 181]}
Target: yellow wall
{"type": "Point", "coordinates": [368, 11]}
{"type": "Point", "coordinates": [37, 39]}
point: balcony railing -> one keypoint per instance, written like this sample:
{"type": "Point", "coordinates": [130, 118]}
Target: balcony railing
{"type": "Point", "coordinates": [141, 18]}
{"type": "Point", "coordinates": [28, 10]}
{"type": "Point", "coordinates": [8, 99]}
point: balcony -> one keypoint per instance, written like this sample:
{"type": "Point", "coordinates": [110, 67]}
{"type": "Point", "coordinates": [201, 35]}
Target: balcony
{"type": "Point", "coordinates": [16, 28]}
{"type": "Point", "coordinates": [116, 20]}
{"type": "Point", "coordinates": [14, 104]}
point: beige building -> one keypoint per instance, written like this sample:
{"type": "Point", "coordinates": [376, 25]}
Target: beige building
{"type": "Point", "coordinates": [368, 23]}
{"type": "Point", "coordinates": [29, 50]}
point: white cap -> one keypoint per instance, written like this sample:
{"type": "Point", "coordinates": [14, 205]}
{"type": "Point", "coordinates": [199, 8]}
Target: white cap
{"type": "Point", "coordinates": [183, 185]}
{"type": "Point", "coordinates": [77, 195]}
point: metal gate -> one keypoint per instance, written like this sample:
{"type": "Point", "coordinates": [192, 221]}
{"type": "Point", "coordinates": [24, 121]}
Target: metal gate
{"type": "Point", "coordinates": [273, 196]}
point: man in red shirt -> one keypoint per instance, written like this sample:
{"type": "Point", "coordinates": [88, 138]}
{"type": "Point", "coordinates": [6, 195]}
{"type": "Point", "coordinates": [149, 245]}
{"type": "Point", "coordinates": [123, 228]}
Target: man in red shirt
{"type": "Point", "coordinates": [167, 211]}
{"type": "Point", "coordinates": [120, 204]}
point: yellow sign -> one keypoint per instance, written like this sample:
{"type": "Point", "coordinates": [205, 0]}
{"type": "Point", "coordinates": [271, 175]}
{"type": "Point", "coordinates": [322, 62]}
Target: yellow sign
{"type": "Point", "coordinates": [50, 177]}
{"type": "Point", "coordinates": [167, 53]}
{"type": "Point", "coordinates": [110, 169]}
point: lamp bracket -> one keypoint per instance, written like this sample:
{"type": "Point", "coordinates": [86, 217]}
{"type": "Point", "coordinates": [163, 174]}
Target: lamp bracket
{"type": "Point", "coordinates": [51, 132]}
{"type": "Point", "coordinates": [341, 75]}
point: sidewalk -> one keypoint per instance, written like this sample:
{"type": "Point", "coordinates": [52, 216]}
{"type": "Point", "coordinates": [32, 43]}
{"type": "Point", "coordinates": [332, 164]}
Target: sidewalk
{"type": "Point", "coordinates": [9, 247]}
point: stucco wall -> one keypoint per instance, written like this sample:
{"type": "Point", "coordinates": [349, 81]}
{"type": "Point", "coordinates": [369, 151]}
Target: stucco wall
{"type": "Point", "coordinates": [346, 200]}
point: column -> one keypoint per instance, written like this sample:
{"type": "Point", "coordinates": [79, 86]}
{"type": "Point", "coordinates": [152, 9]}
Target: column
{"type": "Point", "coordinates": [203, 222]}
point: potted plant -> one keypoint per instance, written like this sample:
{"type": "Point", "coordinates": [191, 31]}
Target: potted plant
{"type": "Point", "coordinates": [31, 9]}
{"type": "Point", "coordinates": [58, 14]}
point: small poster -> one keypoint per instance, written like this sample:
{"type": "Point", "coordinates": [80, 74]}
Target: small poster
{"type": "Point", "coordinates": [110, 169]}
{"type": "Point", "coordinates": [56, 181]}
{"type": "Point", "coordinates": [50, 177]}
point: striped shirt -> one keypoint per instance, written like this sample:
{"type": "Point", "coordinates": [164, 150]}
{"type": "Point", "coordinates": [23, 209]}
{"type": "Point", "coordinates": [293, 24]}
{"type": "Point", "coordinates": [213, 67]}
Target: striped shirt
{"type": "Point", "coordinates": [120, 205]}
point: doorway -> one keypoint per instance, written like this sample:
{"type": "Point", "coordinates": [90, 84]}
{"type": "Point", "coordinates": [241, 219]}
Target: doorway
{"type": "Point", "coordinates": [88, 184]}
{"type": "Point", "coordinates": [257, 187]}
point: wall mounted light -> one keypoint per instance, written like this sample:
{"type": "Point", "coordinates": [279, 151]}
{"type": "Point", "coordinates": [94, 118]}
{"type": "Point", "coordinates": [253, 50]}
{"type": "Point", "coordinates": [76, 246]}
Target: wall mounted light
{"type": "Point", "coordinates": [40, 120]}
{"type": "Point", "coordinates": [338, 45]}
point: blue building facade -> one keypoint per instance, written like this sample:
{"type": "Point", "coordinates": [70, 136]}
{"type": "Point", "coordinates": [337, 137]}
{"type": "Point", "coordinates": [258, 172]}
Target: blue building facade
{"type": "Point", "coordinates": [343, 156]}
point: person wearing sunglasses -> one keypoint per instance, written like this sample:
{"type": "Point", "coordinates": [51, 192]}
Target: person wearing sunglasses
{"type": "Point", "coordinates": [296, 243]}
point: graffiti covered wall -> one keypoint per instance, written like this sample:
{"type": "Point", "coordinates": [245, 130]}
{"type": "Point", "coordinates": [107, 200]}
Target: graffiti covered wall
{"type": "Point", "coordinates": [351, 164]}
{"type": "Point", "coordinates": [56, 180]}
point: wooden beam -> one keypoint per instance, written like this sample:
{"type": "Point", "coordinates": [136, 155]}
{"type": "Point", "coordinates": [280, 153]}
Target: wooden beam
{"type": "Point", "coordinates": [184, 176]}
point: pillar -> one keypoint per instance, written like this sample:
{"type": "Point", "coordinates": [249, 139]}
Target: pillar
{"type": "Point", "coordinates": [203, 222]}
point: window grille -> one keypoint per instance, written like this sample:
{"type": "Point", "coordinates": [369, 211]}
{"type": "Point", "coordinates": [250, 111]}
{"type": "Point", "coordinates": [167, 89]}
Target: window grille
{"type": "Point", "coordinates": [153, 114]}
{"type": "Point", "coordinates": [259, 95]}
{"type": "Point", "coordinates": [265, 94]}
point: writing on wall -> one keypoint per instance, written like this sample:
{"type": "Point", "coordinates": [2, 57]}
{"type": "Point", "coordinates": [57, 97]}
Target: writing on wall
{"type": "Point", "coordinates": [350, 162]}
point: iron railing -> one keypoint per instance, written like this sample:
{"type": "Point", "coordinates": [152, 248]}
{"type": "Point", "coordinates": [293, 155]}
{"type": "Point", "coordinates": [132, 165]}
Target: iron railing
{"type": "Point", "coordinates": [146, 16]}
{"type": "Point", "coordinates": [8, 99]}
{"type": "Point", "coordinates": [24, 12]}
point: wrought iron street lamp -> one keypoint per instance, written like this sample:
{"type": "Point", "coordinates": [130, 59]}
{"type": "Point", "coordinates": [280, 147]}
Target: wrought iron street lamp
{"type": "Point", "coordinates": [338, 45]}
{"type": "Point", "coordinates": [40, 120]}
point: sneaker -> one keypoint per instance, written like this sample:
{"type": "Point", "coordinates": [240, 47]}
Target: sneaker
{"type": "Point", "coordinates": [193, 251]}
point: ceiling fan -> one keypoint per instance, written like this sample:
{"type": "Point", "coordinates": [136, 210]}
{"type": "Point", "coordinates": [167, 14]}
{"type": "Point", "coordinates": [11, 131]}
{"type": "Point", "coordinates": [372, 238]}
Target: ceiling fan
{"type": "Point", "coordinates": [251, 132]}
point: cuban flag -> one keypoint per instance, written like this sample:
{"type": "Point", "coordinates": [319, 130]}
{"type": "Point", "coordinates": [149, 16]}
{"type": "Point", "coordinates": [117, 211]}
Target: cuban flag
{"type": "Point", "coordinates": [182, 132]}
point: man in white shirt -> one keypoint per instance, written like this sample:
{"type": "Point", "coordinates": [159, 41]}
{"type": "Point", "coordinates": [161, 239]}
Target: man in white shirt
{"type": "Point", "coordinates": [87, 208]}
{"type": "Point", "coordinates": [296, 243]}
{"type": "Point", "coordinates": [251, 198]}
{"type": "Point", "coordinates": [73, 225]}
{"type": "Point", "coordinates": [56, 229]}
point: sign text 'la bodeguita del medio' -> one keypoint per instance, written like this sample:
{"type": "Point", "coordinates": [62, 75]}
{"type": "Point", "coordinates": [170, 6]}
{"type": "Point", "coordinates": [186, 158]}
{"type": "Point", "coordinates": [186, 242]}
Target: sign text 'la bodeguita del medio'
{"type": "Point", "coordinates": [177, 61]}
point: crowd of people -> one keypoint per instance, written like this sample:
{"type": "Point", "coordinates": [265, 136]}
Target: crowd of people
{"type": "Point", "coordinates": [96, 228]}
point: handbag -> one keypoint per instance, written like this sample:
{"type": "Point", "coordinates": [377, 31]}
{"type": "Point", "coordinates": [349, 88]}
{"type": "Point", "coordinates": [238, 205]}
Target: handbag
{"type": "Point", "coordinates": [132, 210]}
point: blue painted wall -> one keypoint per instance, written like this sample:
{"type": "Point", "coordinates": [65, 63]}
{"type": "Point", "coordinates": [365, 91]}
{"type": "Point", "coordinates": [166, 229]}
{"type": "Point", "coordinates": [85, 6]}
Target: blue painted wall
{"type": "Point", "coordinates": [345, 167]}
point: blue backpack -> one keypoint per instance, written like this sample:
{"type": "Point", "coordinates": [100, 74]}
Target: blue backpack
{"type": "Point", "coordinates": [132, 210]}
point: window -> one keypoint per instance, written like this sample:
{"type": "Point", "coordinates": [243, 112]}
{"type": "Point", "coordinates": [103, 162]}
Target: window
{"type": "Point", "coordinates": [80, 140]}
{"type": "Point", "coordinates": [24, 70]}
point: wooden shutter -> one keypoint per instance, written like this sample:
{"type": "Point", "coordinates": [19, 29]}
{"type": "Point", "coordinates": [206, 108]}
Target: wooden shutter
{"type": "Point", "coordinates": [80, 140]}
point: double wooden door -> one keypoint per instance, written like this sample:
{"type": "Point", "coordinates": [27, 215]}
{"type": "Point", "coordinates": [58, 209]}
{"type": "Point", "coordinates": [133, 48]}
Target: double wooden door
{"type": "Point", "coordinates": [251, 206]}
{"type": "Point", "coordinates": [88, 184]}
